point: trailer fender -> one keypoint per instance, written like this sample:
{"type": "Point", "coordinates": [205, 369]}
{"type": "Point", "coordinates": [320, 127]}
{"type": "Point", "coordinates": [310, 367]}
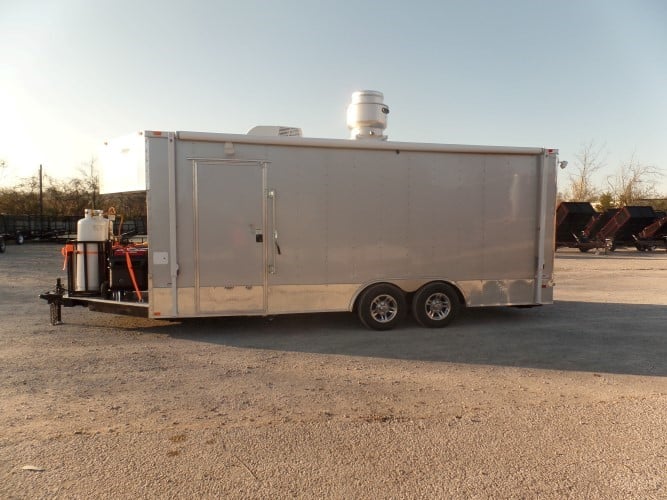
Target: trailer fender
{"type": "Point", "coordinates": [455, 286]}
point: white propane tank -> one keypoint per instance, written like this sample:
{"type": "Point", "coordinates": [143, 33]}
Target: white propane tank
{"type": "Point", "coordinates": [92, 228]}
{"type": "Point", "coordinates": [367, 115]}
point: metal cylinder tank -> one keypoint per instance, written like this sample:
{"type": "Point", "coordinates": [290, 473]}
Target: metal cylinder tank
{"type": "Point", "coordinates": [90, 231]}
{"type": "Point", "coordinates": [367, 115]}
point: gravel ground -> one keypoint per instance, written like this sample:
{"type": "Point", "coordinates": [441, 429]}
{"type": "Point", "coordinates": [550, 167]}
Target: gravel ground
{"type": "Point", "coordinates": [568, 400]}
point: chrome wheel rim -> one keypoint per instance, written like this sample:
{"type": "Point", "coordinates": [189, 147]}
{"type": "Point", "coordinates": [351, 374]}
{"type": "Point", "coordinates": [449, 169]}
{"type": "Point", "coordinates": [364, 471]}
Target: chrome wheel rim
{"type": "Point", "coordinates": [438, 306]}
{"type": "Point", "coordinates": [384, 308]}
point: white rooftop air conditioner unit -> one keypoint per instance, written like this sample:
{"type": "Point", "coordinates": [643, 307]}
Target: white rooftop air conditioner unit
{"type": "Point", "coordinates": [274, 130]}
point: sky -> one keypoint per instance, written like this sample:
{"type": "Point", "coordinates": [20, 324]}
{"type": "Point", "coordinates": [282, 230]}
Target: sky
{"type": "Point", "coordinates": [74, 73]}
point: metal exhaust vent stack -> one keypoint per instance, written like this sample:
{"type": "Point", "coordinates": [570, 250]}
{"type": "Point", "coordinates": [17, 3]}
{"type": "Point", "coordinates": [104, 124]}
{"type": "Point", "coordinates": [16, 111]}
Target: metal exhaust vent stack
{"type": "Point", "coordinates": [367, 115]}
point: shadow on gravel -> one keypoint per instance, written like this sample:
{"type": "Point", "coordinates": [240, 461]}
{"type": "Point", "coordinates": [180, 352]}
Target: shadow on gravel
{"type": "Point", "coordinates": [578, 336]}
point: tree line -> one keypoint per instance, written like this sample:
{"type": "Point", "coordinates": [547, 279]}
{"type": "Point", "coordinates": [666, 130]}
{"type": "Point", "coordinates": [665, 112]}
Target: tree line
{"type": "Point", "coordinates": [67, 197]}
{"type": "Point", "coordinates": [633, 183]}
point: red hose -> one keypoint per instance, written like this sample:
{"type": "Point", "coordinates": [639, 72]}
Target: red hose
{"type": "Point", "coordinates": [132, 276]}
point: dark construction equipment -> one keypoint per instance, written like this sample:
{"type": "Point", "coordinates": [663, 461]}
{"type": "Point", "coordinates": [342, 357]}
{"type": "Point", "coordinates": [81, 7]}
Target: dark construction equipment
{"type": "Point", "coordinates": [571, 219]}
{"type": "Point", "coordinates": [623, 227]}
{"type": "Point", "coordinates": [593, 228]}
{"type": "Point", "coordinates": [653, 235]}
{"type": "Point", "coordinates": [590, 237]}
{"type": "Point", "coordinates": [120, 273]}
{"type": "Point", "coordinates": [639, 226]}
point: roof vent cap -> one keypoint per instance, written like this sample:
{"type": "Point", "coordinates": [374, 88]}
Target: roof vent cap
{"type": "Point", "coordinates": [367, 115]}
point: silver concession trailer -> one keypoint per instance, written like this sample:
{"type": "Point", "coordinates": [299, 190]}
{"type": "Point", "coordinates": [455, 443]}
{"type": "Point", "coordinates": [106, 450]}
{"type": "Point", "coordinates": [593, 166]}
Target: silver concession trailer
{"type": "Point", "coordinates": [274, 223]}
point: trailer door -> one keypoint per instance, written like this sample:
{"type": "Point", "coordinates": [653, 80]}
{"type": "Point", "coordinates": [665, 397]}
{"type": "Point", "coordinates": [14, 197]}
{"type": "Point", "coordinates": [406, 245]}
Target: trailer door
{"type": "Point", "coordinates": [229, 239]}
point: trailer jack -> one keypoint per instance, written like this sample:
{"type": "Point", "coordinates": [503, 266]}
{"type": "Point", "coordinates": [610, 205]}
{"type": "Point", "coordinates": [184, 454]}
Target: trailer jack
{"type": "Point", "coordinates": [55, 300]}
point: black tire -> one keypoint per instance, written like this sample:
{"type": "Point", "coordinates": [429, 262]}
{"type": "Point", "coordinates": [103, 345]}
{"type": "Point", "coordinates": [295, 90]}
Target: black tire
{"type": "Point", "coordinates": [584, 249]}
{"type": "Point", "coordinates": [20, 239]}
{"type": "Point", "coordinates": [435, 305]}
{"type": "Point", "coordinates": [3, 246]}
{"type": "Point", "coordinates": [382, 307]}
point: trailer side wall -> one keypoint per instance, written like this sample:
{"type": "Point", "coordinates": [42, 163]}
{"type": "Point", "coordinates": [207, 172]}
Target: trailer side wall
{"type": "Point", "coordinates": [272, 229]}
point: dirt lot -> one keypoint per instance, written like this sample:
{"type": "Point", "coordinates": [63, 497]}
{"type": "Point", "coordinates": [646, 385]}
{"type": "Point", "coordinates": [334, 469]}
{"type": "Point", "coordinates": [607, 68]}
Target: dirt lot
{"type": "Point", "coordinates": [568, 400]}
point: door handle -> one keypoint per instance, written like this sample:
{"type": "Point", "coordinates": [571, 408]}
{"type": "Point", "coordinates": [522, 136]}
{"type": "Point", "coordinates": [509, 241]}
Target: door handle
{"type": "Point", "coordinates": [275, 247]}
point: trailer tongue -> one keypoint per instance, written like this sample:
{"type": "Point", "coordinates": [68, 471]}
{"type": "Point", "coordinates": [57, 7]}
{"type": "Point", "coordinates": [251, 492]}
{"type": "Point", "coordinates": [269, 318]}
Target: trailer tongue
{"type": "Point", "coordinates": [59, 297]}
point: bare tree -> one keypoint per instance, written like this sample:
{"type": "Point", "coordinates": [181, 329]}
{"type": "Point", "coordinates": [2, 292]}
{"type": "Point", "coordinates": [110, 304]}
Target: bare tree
{"type": "Point", "coordinates": [587, 162]}
{"type": "Point", "coordinates": [90, 179]}
{"type": "Point", "coordinates": [633, 181]}
{"type": "Point", "coordinates": [22, 198]}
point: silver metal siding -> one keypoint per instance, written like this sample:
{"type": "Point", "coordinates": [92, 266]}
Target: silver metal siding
{"type": "Point", "coordinates": [346, 217]}
{"type": "Point", "coordinates": [356, 216]}
{"type": "Point", "coordinates": [158, 209]}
